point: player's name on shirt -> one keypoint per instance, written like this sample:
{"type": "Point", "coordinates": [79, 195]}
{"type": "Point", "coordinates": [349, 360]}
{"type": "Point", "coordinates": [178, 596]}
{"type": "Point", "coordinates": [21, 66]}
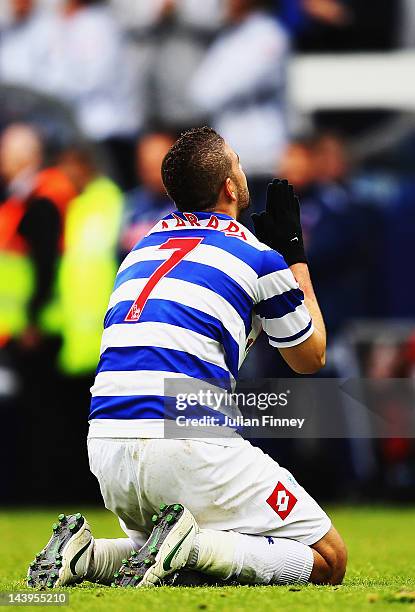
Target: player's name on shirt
{"type": "Point", "coordinates": [228, 226]}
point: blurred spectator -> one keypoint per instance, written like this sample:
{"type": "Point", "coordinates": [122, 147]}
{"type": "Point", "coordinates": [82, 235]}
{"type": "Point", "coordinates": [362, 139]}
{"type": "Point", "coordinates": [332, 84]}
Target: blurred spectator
{"type": "Point", "coordinates": [148, 203]}
{"type": "Point", "coordinates": [31, 217]}
{"type": "Point", "coordinates": [80, 56]}
{"type": "Point", "coordinates": [146, 14]}
{"type": "Point", "coordinates": [241, 85]}
{"type": "Point", "coordinates": [89, 68]}
{"type": "Point", "coordinates": [25, 44]}
{"type": "Point", "coordinates": [89, 262]}
{"type": "Point", "coordinates": [138, 16]}
{"type": "Point", "coordinates": [340, 233]}
{"type": "Point", "coordinates": [330, 158]}
{"type": "Point", "coordinates": [86, 278]}
{"type": "Point", "coordinates": [177, 33]}
{"type": "Point", "coordinates": [30, 225]}
{"type": "Point", "coordinates": [296, 166]}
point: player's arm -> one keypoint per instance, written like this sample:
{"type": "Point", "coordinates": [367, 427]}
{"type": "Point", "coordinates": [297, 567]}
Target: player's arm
{"type": "Point", "coordinates": [309, 356]}
{"type": "Point", "coordinates": [299, 334]}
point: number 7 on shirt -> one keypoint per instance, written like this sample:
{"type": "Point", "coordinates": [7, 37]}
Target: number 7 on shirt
{"type": "Point", "coordinates": [181, 247]}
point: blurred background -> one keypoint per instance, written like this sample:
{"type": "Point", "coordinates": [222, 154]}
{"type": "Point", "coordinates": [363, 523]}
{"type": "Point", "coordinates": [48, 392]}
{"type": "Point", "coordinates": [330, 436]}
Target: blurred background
{"type": "Point", "coordinates": [92, 95]}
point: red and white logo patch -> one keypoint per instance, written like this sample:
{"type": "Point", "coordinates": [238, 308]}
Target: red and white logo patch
{"type": "Point", "coordinates": [282, 501]}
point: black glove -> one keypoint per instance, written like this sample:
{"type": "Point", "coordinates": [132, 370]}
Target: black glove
{"type": "Point", "coordinates": [279, 226]}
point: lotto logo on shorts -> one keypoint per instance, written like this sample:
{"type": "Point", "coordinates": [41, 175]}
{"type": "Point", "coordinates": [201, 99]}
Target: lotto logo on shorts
{"type": "Point", "coordinates": [282, 501]}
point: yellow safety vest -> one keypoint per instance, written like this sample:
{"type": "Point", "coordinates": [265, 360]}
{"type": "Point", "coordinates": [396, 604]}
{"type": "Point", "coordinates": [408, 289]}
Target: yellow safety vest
{"type": "Point", "coordinates": [87, 271]}
{"type": "Point", "coordinates": [16, 288]}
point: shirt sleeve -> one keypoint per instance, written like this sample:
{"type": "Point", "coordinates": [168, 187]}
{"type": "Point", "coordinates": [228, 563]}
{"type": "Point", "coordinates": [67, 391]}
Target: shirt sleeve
{"type": "Point", "coordinates": [280, 306]}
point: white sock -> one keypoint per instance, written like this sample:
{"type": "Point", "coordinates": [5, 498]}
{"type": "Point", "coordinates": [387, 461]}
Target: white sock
{"type": "Point", "coordinates": [107, 558]}
{"type": "Point", "coordinates": [251, 559]}
{"type": "Point", "coordinates": [215, 553]}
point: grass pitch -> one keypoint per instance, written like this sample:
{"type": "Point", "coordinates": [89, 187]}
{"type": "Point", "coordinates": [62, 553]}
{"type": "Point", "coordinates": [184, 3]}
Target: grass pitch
{"type": "Point", "coordinates": [381, 574]}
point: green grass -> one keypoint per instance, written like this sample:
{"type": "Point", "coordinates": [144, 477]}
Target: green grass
{"type": "Point", "coordinates": [381, 544]}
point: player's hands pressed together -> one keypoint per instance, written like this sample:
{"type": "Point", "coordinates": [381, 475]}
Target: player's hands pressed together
{"type": "Point", "coordinates": [279, 226]}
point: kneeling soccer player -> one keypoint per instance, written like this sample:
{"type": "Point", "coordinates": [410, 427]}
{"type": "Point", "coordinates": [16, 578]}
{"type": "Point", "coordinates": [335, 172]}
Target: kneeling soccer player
{"type": "Point", "coordinates": [188, 301]}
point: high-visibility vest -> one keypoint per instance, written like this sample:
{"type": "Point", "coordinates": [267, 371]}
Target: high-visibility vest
{"type": "Point", "coordinates": [16, 269]}
{"type": "Point", "coordinates": [87, 272]}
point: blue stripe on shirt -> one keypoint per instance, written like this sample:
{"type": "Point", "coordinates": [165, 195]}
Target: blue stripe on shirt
{"type": "Point", "coordinates": [146, 407]}
{"type": "Point", "coordinates": [279, 305]}
{"type": "Point", "coordinates": [174, 313]}
{"type": "Point", "coordinates": [272, 261]}
{"type": "Point", "coordinates": [127, 407]}
{"type": "Point", "coordinates": [154, 358]}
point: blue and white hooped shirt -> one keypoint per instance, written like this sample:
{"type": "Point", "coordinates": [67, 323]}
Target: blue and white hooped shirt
{"type": "Point", "coordinates": [188, 302]}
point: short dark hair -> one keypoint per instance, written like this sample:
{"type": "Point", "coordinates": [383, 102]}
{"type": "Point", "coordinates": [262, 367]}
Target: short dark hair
{"type": "Point", "coordinates": [195, 169]}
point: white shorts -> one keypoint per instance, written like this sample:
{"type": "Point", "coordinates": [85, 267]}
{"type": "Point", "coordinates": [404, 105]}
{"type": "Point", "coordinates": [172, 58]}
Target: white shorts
{"type": "Point", "coordinates": [230, 486]}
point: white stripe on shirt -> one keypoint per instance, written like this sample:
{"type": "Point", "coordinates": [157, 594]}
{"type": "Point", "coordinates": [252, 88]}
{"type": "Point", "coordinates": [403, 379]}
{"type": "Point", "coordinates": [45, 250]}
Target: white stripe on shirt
{"type": "Point", "coordinates": [288, 325]}
{"type": "Point", "coordinates": [188, 294]}
{"type": "Point", "coordinates": [205, 254]}
{"type": "Point", "coordinates": [164, 335]}
{"type": "Point", "coordinates": [275, 283]}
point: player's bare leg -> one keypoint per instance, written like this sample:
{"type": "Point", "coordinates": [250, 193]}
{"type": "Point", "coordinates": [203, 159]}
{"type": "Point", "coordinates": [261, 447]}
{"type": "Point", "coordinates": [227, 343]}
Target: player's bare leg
{"type": "Point", "coordinates": [330, 559]}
